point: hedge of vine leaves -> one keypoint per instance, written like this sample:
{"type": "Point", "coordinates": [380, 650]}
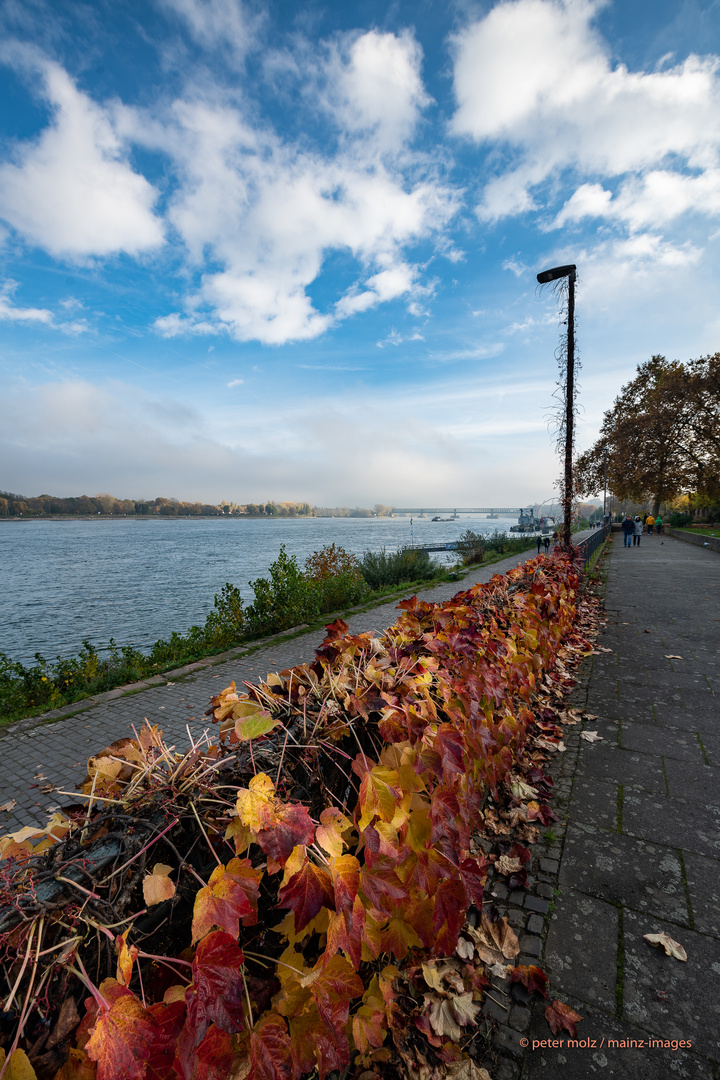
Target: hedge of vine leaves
{"type": "Point", "coordinates": [302, 889]}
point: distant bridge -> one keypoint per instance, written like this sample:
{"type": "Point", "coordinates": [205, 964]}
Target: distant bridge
{"type": "Point", "coordinates": [504, 510]}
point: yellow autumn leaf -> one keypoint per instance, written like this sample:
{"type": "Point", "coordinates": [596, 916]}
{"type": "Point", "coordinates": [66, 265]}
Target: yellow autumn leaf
{"type": "Point", "coordinates": [255, 803]}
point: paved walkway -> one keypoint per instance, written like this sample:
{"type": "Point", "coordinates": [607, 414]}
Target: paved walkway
{"type": "Point", "coordinates": [641, 850]}
{"type": "Point", "coordinates": [46, 757]}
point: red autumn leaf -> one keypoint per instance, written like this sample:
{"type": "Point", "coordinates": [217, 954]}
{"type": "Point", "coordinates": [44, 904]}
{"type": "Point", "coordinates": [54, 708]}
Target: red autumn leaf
{"type": "Point", "coordinates": [292, 826]}
{"type": "Point", "coordinates": [216, 992]}
{"type": "Point", "coordinates": [451, 904]}
{"type": "Point", "coordinates": [334, 988]}
{"type": "Point", "coordinates": [230, 896]}
{"type": "Point", "coordinates": [561, 1017]}
{"type": "Point", "coordinates": [473, 872]}
{"type": "Point", "coordinates": [121, 1040]}
{"type": "Point", "coordinates": [531, 977]}
{"type": "Point", "coordinates": [450, 745]}
{"type": "Point", "coordinates": [214, 1056]}
{"type": "Point", "coordinates": [418, 913]}
{"type": "Point", "coordinates": [306, 892]}
{"type": "Point", "coordinates": [271, 1049]}
{"type": "Point", "coordinates": [169, 1019]}
{"type": "Point", "coordinates": [345, 931]}
{"type": "Point", "coordinates": [303, 1031]}
{"type": "Point", "coordinates": [382, 886]}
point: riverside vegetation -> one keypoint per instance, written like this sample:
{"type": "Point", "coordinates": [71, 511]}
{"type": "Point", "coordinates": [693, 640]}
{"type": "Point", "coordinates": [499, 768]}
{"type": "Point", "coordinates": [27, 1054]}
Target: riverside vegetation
{"type": "Point", "coordinates": [331, 580]}
{"type": "Point", "coordinates": [307, 891]}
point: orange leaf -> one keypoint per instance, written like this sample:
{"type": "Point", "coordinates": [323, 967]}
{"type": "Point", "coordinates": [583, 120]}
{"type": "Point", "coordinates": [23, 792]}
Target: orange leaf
{"type": "Point", "coordinates": [560, 1016]}
{"type": "Point", "coordinates": [230, 896]}
{"type": "Point", "coordinates": [122, 1039]}
{"type": "Point", "coordinates": [126, 959]}
{"type": "Point", "coordinates": [345, 871]}
{"type": "Point", "coordinates": [158, 886]}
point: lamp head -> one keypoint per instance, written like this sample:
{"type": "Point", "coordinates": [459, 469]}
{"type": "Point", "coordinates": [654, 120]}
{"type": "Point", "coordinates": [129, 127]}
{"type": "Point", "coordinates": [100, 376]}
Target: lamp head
{"type": "Point", "coordinates": [556, 272]}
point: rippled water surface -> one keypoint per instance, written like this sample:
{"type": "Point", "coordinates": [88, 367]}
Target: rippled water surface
{"type": "Point", "coordinates": [138, 580]}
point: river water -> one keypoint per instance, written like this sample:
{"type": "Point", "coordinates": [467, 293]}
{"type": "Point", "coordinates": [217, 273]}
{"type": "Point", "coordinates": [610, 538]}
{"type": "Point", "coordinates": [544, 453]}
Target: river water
{"type": "Point", "coordinates": [137, 580]}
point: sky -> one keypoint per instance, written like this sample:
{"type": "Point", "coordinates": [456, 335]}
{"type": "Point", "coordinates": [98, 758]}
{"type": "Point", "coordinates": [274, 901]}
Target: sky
{"type": "Point", "coordinates": [287, 250]}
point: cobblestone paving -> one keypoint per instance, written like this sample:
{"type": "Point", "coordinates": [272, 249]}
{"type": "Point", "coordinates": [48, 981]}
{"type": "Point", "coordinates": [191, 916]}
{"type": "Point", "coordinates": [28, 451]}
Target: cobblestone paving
{"type": "Point", "coordinates": [37, 755]}
{"type": "Point", "coordinates": [637, 848]}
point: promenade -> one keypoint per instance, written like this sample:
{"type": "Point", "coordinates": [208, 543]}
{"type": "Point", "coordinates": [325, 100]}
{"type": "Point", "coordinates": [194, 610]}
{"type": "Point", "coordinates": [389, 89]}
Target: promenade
{"type": "Point", "coordinates": [38, 758]}
{"type": "Point", "coordinates": [641, 850]}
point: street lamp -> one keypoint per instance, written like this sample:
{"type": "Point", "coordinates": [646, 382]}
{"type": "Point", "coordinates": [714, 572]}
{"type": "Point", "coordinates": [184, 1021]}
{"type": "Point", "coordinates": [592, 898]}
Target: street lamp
{"type": "Point", "coordinates": [569, 272]}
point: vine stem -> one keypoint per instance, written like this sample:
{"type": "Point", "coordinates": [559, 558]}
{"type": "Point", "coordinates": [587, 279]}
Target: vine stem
{"type": "Point", "coordinates": [141, 851]}
{"type": "Point", "coordinates": [202, 830]}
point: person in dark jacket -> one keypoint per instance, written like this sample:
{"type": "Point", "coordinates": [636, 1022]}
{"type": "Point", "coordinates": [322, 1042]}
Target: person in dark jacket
{"type": "Point", "coordinates": [628, 528]}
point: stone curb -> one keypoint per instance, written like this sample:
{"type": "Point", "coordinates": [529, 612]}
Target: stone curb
{"type": "Point", "coordinates": [711, 542]}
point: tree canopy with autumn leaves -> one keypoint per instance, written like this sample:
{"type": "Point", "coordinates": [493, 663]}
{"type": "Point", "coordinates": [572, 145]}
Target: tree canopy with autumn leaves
{"type": "Point", "coordinates": [661, 438]}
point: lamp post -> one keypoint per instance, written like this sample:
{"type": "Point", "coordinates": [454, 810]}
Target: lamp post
{"type": "Point", "coordinates": [570, 272]}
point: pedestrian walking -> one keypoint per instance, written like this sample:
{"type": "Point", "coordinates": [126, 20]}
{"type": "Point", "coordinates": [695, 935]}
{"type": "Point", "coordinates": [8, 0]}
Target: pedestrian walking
{"type": "Point", "coordinates": [658, 524]}
{"type": "Point", "coordinates": [637, 531]}
{"type": "Point", "coordinates": [539, 542]}
{"type": "Point", "coordinates": [649, 521]}
{"type": "Point", "coordinates": [628, 528]}
{"type": "Point", "coordinates": [546, 543]}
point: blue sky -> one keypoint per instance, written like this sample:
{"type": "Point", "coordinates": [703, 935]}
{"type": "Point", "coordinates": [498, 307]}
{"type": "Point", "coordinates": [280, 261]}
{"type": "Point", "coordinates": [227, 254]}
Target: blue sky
{"type": "Point", "coordinates": [287, 250]}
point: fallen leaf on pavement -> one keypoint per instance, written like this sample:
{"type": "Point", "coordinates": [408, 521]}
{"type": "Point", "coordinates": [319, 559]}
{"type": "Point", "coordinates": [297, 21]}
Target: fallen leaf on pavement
{"type": "Point", "coordinates": [671, 657]}
{"type": "Point", "coordinates": [671, 947]}
{"type": "Point", "coordinates": [506, 865]}
{"type": "Point", "coordinates": [531, 977]}
{"type": "Point", "coordinates": [494, 941]}
{"type": "Point", "coordinates": [547, 745]}
{"type": "Point", "coordinates": [466, 1070]}
{"type": "Point", "coordinates": [561, 1017]}
{"type": "Point", "coordinates": [9, 805]}
{"type": "Point", "coordinates": [591, 736]}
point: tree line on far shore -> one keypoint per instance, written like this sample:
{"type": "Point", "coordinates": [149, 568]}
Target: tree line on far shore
{"type": "Point", "coordinates": [660, 441]}
{"type": "Point", "coordinates": [12, 505]}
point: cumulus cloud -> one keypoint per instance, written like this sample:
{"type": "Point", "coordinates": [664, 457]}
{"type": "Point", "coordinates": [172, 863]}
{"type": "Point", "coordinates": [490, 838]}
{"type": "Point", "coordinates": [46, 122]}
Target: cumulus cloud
{"type": "Point", "coordinates": [268, 210]}
{"type": "Point", "coordinates": [375, 86]}
{"type": "Point", "coordinates": [72, 191]}
{"type": "Point", "coordinates": [536, 76]}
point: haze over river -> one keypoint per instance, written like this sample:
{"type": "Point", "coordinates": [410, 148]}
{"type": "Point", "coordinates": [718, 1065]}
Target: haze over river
{"type": "Point", "coordinates": [137, 580]}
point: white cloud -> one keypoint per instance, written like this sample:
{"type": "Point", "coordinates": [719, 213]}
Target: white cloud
{"type": "Point", "coordinates": [536, 76]}
{"type": "Point", "coordinates": [375, 87]}
{"type": "Point", "coordinates": [10, 312]}
{"type": "Point", "coordinates": [235, 382]}
{"type": "Point", "coordinates": [71, 191]}
{"type": "Point", "coordinates": [268, 211]}
{"type": "Point", "coordinates": [215, 23]}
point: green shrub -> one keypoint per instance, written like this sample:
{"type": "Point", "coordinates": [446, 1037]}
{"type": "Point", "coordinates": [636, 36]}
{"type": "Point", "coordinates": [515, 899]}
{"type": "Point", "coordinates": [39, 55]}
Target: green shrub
{"type": "Point", "coordinates": [408, 564]}
{"type": "Point", "coordinates": [676, 519]}
{"type": "Point", "coordinates": [286, 599]}
{"type": "Point", "coordinates": [337, 578]}
{"type": "Point", "coordinates": [471, 547]}
{"type": "Point", "coordinates": [225, 625]}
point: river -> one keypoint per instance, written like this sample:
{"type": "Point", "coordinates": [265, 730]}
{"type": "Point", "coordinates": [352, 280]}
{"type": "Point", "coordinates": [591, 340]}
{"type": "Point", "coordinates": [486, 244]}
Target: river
{"type": "Point", "coordinates": [137, 580]}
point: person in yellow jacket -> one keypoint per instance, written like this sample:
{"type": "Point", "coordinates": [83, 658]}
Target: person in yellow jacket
{"type": "Point", "coordinates": [649, 521]}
